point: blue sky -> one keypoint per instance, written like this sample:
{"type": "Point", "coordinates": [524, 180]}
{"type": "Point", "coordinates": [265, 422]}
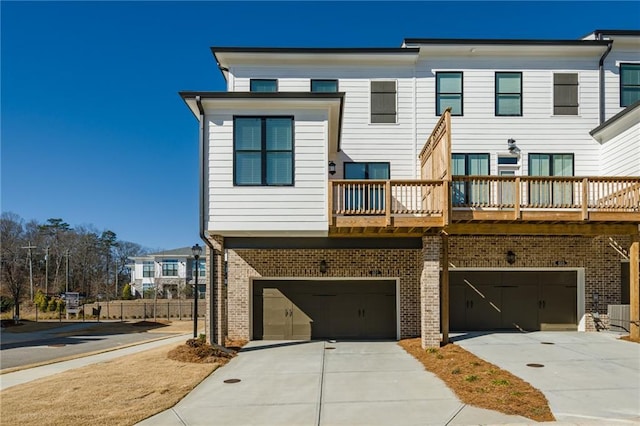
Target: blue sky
{"type": "Point", "coordinates": [94, 132]}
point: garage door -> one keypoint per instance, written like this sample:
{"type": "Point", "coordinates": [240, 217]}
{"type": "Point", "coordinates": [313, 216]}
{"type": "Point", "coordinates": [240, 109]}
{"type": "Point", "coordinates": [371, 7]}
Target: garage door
{"type": "Point", "coordinates": [513, 300]}
{"type": "Point", "coordinates": [303, 310]}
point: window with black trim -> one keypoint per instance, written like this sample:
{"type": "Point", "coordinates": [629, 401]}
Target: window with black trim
{"type": "Point", "coordinates": [366, 197]}
{"type": "Point", "coordinates": [263, 85]}
{"type": "Point", "coordinates": [465, 191]}
{"type": "Point", "coordinates": [449, 92]}
{"type": "Point", "coordinates": [508, 88]}
{"type": "Point", "coordinates": [263, 151]}
{"type": "Point", "coordinates": [324, 86]}
{"type": "Point", "coordinates": [383, 102]}
{"type": "Point", "coordinates": [551, 192]}
{"type": "Point", "coordinates": [565, 94]}
{"type": "Point", "coordinates": [170, 268]}
{"type": "Point", "coordinates": [629, 84]}
{"type": "Point", "coordinates": [148, 269]}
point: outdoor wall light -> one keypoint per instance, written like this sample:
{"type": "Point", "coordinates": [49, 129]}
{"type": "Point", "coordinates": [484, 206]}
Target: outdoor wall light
{"type": "Point", "coordinates": [561, 262]}
{"type": "Point", "coordinates": [323, 266]}
{"type": "Point", "coordinates": [511, 257]}
{"type": "Point", "coordinates": [332, 168]}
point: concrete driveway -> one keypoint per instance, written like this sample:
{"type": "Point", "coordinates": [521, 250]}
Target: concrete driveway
{"type": "Point", "coordinates": [587, 377]}
{"type": "Point", "coordinates": [324, 383]}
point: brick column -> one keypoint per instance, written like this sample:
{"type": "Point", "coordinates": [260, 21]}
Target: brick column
{"type": "Point", "coordinates": [216, 315]}
{"type": "Point", "coordinates": [430, 292]}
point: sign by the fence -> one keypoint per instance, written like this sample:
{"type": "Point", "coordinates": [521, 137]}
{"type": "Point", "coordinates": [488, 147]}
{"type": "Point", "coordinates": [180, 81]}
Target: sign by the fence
{"type": "Point", "coordinates": [72, 302]}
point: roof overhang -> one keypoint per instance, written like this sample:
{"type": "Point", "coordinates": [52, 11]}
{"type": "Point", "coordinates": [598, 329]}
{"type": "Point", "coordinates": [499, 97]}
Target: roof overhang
{"type": "Point", "coordinates": [333, 103]}
{"type": "Point", "coordinates": [621, 122]}
{"type": "Point", "coordinates": [228, 57]}
{"type": "Point", "coordinates": [490, 47]}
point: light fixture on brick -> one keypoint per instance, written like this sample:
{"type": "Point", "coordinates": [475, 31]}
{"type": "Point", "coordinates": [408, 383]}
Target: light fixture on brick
{"type": "Point", "coordinates": [332, 168]}
{"type": "Point", "coordinates": [511, 257]}
{"type": "Point", "coordinates": [323, 266]}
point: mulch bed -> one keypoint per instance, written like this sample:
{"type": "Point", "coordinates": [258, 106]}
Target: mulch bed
{"type": "Point", "coordinates": [479, 383]}
{"type": "Point", "coordinates": [199, 351]}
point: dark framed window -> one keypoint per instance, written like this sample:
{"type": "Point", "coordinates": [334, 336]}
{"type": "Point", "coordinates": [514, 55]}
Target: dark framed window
{"type": "Point", "coordinates": [551, 192]}
{"type": "Point", "coordinates": [370, 198]}
{"type": "Point", "coordinates": [170, 268]}
{"type": "Point", "coordinates": [565, 94]}
{"type": "Point", "coordinates": [202, 268]}
{"type": "Point", "coordinates": [383, 102]}
{"type": "Point", "coordinates": [325, 86]}
{"type": "Point", "coordinates": [629, 84]}
{"type": "Point", "coordinates": [449, 92]}
{"type": "Point", "coordinates": [508, 86]}
{"type": "Point", "coordinates": [263, 85]}
{"type": "Point", "coordinates": [148, 269]}
{"type": "Point", "coordinates": [263, 151]}
{"type": "Point", "coordinates": [468, 192]}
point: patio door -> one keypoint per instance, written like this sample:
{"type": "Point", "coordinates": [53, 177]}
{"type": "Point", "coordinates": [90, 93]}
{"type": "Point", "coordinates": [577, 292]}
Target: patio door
{"type": "Point", "coordinates": [469, 192]}
{"type": "Point", "coordinates": [545, 193]}
{"type": "Point", "coordinates": [361, 198]}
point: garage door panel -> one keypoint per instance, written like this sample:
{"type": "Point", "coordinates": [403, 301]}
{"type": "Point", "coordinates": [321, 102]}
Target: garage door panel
{"type": "Point", "coordinates": [379, 320]}
{"type": "Point", "coordinates": [520, 307]}
{"type": "Point", "coordinates": [483, 311]}
{"type": "Point", "coordinates": [276, 316]}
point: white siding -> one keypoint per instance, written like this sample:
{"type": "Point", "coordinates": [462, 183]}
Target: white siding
{"type": "Point", "coordinates": [621, 155]}
{"type": "Point", "coordinates": [537, 130]}
{"type": "Point", "coordinates": [263, 210]}
{"type": "Point", "coordinates": [612, 76]}
{"type": "Point", "coordinates": [361, 140]}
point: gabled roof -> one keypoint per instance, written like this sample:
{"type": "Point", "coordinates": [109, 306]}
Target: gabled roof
{"type": "Point", "coordinates": [625, 119]}
{"type": "Point", "coordinates": [180, 252]}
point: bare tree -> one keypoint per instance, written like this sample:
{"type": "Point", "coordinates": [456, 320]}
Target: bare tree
{"type": "Point", "coordinates": [14, 270]}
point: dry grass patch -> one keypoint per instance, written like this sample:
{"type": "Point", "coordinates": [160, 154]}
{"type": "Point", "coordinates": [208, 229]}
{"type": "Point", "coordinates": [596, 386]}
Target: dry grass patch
{"type": "Point", "coordinates": [479, 383]}
{"type": "Point", "coordinates": [123, 391]}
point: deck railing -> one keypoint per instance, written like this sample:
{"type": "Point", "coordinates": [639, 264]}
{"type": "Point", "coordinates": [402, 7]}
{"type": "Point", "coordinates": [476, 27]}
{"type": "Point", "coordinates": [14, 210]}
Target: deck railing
{"type": "Point", "coordinates": [407, 200]}
{"type": "Point", "coordinates": [539, 192]}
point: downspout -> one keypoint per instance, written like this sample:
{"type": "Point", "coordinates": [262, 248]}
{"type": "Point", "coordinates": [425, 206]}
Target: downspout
{"type": "Point", "coordinates": [601, 70]}
{"type": "Point", "coordinates": [203, 236]}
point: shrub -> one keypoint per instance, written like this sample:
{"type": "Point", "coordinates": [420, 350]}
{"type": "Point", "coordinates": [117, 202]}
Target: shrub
{"type": "Point", "coordinates": [471, 378]}
{"type": "Point", "coordinates": [6, 304]}
{"type": "Point", "coordinates": [126, 292]}
{"type": "Point", "coordinates": [60, 304]}
{"type": "Point", "coordinates": [52, 305]}
{"type": "Point", "coordinates": [41, 301]}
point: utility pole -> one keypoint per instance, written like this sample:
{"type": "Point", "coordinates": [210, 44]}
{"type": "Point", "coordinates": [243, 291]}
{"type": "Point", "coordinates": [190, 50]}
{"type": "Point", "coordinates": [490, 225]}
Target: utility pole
{"type": "Point", "coordinates": [67, 280]}
{"type": "Point", "coordinates": [46, 270]}
{"type": "Point", "coordinates": [116, 279]}
{"type": "Point", "coordinates": [30, 247]}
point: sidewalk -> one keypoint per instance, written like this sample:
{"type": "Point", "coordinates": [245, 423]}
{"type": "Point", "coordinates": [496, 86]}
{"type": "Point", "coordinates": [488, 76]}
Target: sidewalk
{"type": "Point", "coordinates": [23, 376]}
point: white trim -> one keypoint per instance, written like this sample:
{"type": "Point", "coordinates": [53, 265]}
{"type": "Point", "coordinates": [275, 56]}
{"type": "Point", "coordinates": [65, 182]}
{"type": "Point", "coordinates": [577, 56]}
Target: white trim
{"type": "Point", "coordinates": [361, 279]}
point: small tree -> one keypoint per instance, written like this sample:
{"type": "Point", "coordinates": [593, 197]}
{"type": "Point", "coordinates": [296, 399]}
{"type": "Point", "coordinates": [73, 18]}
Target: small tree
{"type": "Point", "coordinates": [41, 301]}
{"type": "Point", "coordinates": [126, 292]}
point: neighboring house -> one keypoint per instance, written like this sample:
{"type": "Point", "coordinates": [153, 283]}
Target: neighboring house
{"type": "Point", "coordinates": [171, 272]}
{"type": "Point", "coordinates": [443, 185]}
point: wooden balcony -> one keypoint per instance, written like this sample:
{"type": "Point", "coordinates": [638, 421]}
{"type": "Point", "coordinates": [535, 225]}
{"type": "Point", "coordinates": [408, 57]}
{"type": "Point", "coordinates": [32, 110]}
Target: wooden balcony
{"type": "Point", "coordinates": [412, 207]}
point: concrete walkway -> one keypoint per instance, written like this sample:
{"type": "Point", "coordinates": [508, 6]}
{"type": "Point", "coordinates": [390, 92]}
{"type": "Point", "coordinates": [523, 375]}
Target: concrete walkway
{"type": "Point", "coordinates": [23, 376]}
{"type": "Point", "coordinates": [588, 378]}
{"type": "Point", "coordinates": [319, 383]}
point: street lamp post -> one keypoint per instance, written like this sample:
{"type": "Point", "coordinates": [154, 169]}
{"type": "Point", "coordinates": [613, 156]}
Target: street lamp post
{"type": "Point", "coordinates": [197, 251]}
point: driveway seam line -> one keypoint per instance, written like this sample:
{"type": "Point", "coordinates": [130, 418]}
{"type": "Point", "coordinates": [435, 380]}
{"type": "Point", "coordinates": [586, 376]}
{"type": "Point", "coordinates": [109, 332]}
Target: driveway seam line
{"type": "Point", "coordinates": [178, 416]}
{"type": "Point", "coordinates": [455, 414]}
{"type": "Point", "coordinates": [324, 352]}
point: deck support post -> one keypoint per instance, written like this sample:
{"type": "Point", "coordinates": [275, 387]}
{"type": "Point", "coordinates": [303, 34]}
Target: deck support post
{"type": "Point", "coordinates": [634, 278]}
{"type": "Point", "coordinates": [444, 294]}
{"type": "Point", "coordinates": [430, 292]}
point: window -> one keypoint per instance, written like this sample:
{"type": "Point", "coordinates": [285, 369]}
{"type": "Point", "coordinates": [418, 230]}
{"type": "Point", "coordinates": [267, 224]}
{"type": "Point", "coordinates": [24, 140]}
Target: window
{"type": "Point", "coordinates": [327, 86]}
{"type": "Point", "coordinates": [263, 151]}
{"type": "Point", "coordinates": [148, 269]}
{"type": "Point", "coordinates": [565, 94]}
{"type": "Point", "coordinates": [469, 191]}
{"type": "Point", "coordinates": [547, 192]}
{"type": "Point", "coordinates": [261, 85]}
{"type": "Point", "coordinates": [201, 270]}
{"type": "Point", "coordinates": [629, 84]}
{"type": "Point", "coordinates": [360, 198]}
{"type": "Point", "coordinates": [449, 92]}
{"type": "Point", "coordinates": [170, 268]}
{"type": "Point", "coordinates": [509, 93]}
{"type": "Point", "coordinates": [383, 101]}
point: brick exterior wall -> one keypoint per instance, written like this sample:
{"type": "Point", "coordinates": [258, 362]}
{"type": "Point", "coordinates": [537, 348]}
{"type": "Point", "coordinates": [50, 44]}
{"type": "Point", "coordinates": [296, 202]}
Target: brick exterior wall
{"type": "Point", "coordinates": [417, 271]}
{"type": "Point", "coordinates": [291, 263]}
{"type": "Point", "coordinates": [595, 254]}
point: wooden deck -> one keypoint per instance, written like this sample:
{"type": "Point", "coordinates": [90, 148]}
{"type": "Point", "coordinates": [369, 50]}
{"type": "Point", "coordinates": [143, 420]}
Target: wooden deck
{"type": "Point", "coordinates": [413, 207]}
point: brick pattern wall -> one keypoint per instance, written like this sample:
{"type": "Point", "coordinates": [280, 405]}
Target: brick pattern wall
{"type": "Point", "coordinates": [216, 318]}
{"type": "Point", "coordinates": [595, 254]}
{"type": "Point", "coordinates": [430, 291]}
{"type": "Point", "coordinates": [291, 263]}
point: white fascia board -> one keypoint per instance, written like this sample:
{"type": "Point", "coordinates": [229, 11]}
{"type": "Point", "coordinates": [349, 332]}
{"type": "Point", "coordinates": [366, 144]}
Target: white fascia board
{"type": "Point", "coordinates": [618, 125]}
{"type": "Point", "coordinates": [230, 59]}
{"type": "Point", "coordinates": [484, 50]}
